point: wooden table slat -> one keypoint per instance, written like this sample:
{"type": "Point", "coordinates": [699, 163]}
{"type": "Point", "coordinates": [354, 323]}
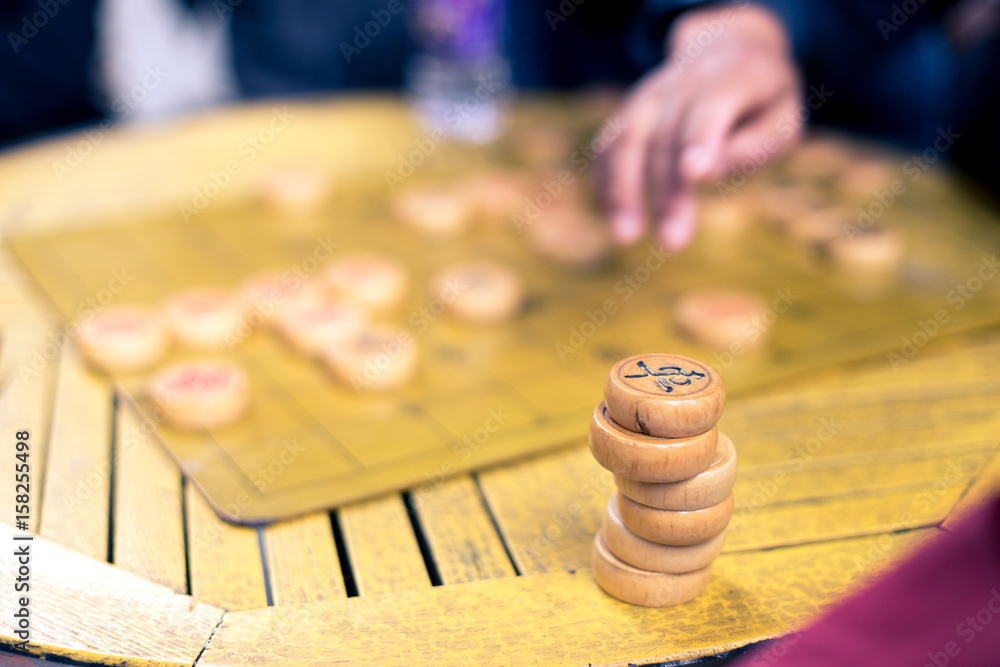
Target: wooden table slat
{"type": "Point", "coordinates": [26, 397]}
{"type": "Point", "coordinates": [302, 560]}
{"type": "Point", "coordinates": [75, 504]}
{"type": "Point", "coordinates": [384, 553]}
{"type": "Point", "coordinates": [985, 484]}
{"type": "Point", "coordinates": [460, 532]}
{"type": "Point", "coordinates": [224, 560]}
{"type": "Point", "coordinates": [558, 618]}
{"type": "Point", "coordinates": [549, 508]}
{"type": "Point", "coordinates": [90, 611]}
{"type": "Point", "coordinates": [149, 521]}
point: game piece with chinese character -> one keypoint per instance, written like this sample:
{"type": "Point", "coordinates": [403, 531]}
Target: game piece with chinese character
{"type": "Point", "coordinates": [675, 473]}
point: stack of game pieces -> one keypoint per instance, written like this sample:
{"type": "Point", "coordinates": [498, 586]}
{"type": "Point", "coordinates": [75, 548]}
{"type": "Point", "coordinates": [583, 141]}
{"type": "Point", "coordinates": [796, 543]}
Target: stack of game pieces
{"type": "Point", "coordinates": [655, 430]}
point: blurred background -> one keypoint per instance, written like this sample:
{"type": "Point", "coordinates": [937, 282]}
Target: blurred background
{"type": "Point", "coordinates": [136, 61]}
{"type": "Point", "coordinates": [898, 72]}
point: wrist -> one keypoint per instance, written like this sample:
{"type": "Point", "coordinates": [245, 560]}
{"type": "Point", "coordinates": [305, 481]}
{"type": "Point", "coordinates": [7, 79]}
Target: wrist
{"type": "Point", "coordinates": [748, 24]}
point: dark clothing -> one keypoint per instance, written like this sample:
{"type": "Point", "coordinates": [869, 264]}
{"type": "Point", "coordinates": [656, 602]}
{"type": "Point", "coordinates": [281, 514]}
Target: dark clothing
{"type": "Point", "coordinates": [934, 608]}
{"type": "Point", "coordinates": [279, 51]}
{"type": "Point", "coordinates": [283, 47]}
{"type": "Point", "coordinates": [892, 74]}
{"type": "Point", "coordinates": [888, 66]}
{"type": "Point", "coordinates": [45, 66]}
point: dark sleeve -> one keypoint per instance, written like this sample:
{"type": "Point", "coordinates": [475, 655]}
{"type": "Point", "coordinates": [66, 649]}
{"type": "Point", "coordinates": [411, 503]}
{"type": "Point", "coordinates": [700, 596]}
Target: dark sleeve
{"type": "Point", "coordinates": [45, 62]}
{"type": "Point", "coordinates": [822, 32]}
{"type": "Point", "coordinates": [294, 46]}
{"type": "Point", "coordinates": [932, 608]}
{"type": "Point", "coordinates": [566, 44]}
{"type": "Point", "coordinates": [648, 32]}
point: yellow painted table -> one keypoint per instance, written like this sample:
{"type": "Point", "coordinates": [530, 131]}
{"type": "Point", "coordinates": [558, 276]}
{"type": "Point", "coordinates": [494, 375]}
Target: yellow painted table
{"type": "Point", "coordinates": [840, 472]}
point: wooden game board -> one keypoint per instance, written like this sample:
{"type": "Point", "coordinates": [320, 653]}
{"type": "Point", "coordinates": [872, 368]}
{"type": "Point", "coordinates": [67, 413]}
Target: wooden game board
{"type": "Point", "coordinates": [131, 566]}
{"type": "Point", "coordinates": [490, 394]}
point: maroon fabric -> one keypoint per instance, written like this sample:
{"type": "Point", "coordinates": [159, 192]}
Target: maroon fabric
{"type": "Point", "coordinates": [938, 608]}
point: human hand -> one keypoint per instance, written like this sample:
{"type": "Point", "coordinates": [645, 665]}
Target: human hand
{"type": "Point", "coordinates": [707, 108]}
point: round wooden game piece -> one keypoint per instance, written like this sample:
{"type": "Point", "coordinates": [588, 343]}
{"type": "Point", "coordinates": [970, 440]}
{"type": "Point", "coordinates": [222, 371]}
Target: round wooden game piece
{"type": "Point", "coordinates": [377, 359]}
{"type": "Point", "coordinates": [125, 339]}
{"type": "Point", "coordinates": [641, 587]}
{"type": "Point", "coordinates": [785, 203]}
{"type": "Point", "coordinates": [698, 492]}
{"type": "Point", "coordinates": [664, 395]}
{"type": "Point", "coordinates": [570, 238]}
{"type": "Point", "coordinates": [718, 318]}
{"type": "Point", "coordinates": [820, 157]}
{"type": "Point", "coordinates": [311, 328]}
{"type": "Point", "coordinates": [433, 210]}
{"type": "Point", "coordinates": [648, 458]}
{"type": "Point", "coordinates": [542, 145]}
{"type": "Point", "coordinates": [295, 187]}
{"type": "Point", "coordinates": [722, 217]}
{"type": "Point", "coordinates": [816, 227]}
{"type": "Point", "coordinates": [206, 318]}
{"type": "Point", "coordinates": [200, 394]}
{"type": "Point", "coordinates": [273, 292]}
{"type": "Point", "coordinates": [868, 174]}
{"type": "Point", "coordinates": [375, 282]}
{"type": "Point", "coordinates": [479, 290]}
{"type": "Point", "coordinates": [673, 527]}
{"type": "Point", "coordinates": [876, 249]}
{"type": "Point", "coordinates": [495, 194]}
{"type": "Point", "coordinates": [651, 556]}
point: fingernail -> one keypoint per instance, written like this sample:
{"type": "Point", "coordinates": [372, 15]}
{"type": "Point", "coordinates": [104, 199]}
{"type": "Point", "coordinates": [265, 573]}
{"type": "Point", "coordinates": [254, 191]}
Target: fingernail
{"type": "Point", "coordinates": [626, 227]}
{"type": "Point", "coordinates": [696, 161]}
